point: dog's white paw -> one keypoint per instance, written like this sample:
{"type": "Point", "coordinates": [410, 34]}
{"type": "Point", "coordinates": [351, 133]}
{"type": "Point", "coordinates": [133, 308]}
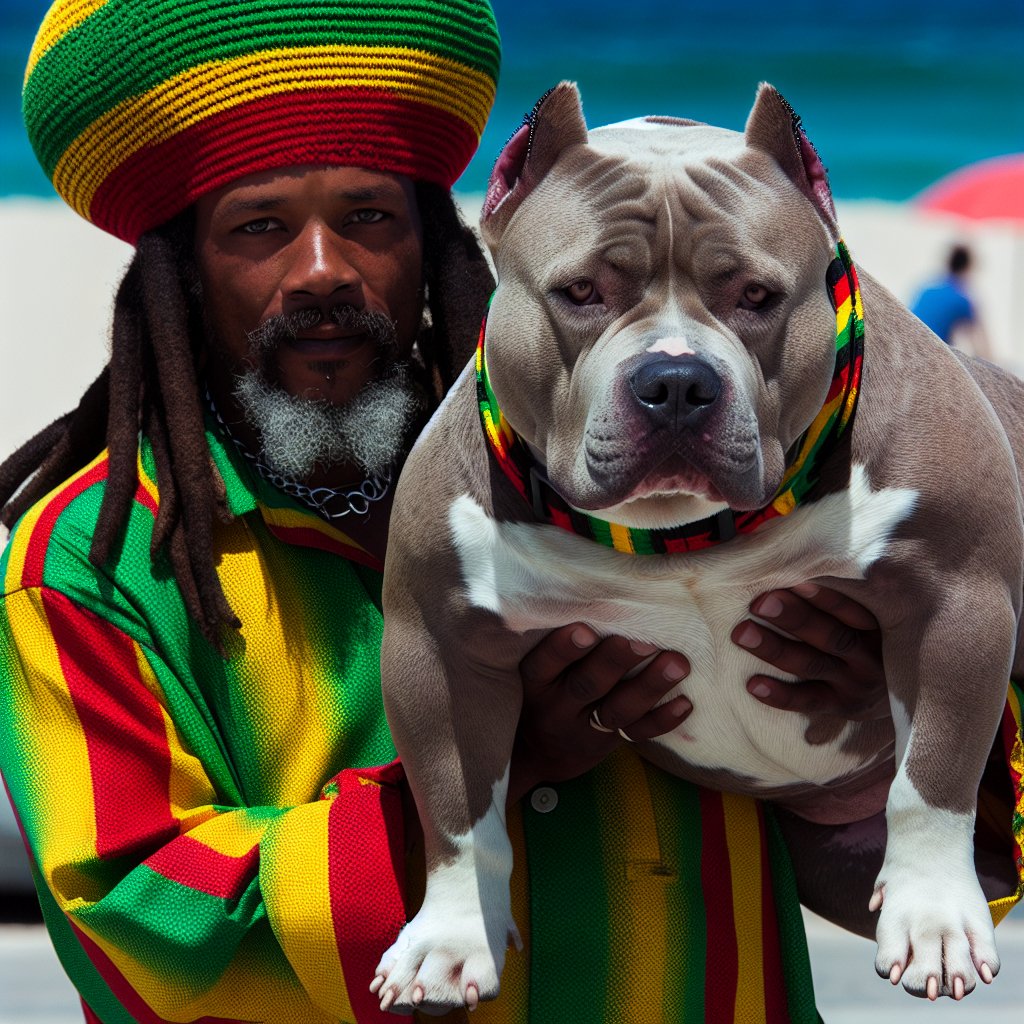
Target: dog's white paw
{"type": "Point", "coordinates": [933, 938]}
{"type": "Point", "coordinates": [442, 961]}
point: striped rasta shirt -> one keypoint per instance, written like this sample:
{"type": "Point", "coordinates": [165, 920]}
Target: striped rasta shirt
{"type": "Point", "coordinates": [220, 838]}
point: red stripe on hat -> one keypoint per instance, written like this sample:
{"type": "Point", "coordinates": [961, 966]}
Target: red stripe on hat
{"type": "Point", "coordinates": [203, 869]}
{"type": "Point", "coordinates": [721, 969]}
{"type": "Point", "coordinates": [39, 542]}
{"type": "Point", "coordinates": [123, 991]}
{"type": "Point", "coordinates": [354, 127]}
{"type": "Point", "coordinates": [129, 757]}
{"type": "Point", "coordinates": [776, 1002]}
{"type": "Point", "coordinates": [366, 877]}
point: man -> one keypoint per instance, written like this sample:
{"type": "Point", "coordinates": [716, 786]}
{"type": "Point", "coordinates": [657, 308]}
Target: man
{"type": "Point", "coordinates": [191, 726]}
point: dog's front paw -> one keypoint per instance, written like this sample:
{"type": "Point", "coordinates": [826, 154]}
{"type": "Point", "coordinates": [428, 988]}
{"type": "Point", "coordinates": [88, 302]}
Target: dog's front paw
{"type": "Point", "coordinates": [440, 962]}
{"type": "Point", "coordinates": [933, 938]}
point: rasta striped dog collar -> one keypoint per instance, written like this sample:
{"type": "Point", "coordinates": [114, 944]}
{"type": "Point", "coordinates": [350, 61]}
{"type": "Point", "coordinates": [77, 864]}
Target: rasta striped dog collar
{"type": "Point", "coordinates": [136, 108]}
{"type": "Point", "coordinates": [807, 455]}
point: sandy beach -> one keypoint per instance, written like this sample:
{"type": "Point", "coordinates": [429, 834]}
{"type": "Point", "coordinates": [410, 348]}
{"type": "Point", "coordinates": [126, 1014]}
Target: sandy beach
{"type": "Point", "coordinates": [58, 275]}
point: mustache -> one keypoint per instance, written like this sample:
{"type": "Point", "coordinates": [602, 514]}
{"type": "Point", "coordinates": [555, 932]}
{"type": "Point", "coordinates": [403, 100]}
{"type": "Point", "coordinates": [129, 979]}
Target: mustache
{"type": "Point", "coordinates": [286, 326]}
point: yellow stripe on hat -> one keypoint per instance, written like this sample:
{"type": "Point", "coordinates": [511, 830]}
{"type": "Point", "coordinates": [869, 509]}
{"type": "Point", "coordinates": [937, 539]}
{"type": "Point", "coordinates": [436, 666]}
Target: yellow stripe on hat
{"type": "Point", "coordinates": [207, 89]}
{"type": "Point", "coordinates": [62, 19]}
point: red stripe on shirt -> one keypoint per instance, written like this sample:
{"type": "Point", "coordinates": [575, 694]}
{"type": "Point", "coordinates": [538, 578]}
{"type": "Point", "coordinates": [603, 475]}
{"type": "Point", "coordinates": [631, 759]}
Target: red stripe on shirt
{"type": "Point", "coordinates": [366, 877]}
{"type": "Point", "coordinates": [203, 869]}
{"type": "Point", "coordinates": [721, 971]}
{"type": "Point", "coordinates": [129, 757]}
{"type": "Point", "coordinates": [309, 537]}
{"type": "Point", "coordinates": [145, 499]}
{"type": "Point", "coordinates": [39, 542]}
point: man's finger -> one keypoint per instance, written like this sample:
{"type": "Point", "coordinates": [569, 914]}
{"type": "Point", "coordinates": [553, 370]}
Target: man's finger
{"type": "Point", "coordinates": [563, 647]}
{"type": "Point", "coordinates": [839, 606]}
{"type": "Point", "coordinates": [595, 674]}
{"type": "Point", "coordinates": [660, 720]}
{"type": "Point", "coordinates": [792, 656]}
{"type": "Point", "coordinates": [802, 619]}
{"type": "Point", "coordinates": [812, 698]}
{"type": "Point", "coordinates": [633, 698]}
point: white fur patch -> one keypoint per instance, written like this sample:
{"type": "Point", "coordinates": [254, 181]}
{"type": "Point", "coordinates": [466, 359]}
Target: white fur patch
{"type": "Point", "coordinates": [540, 577]}
{"type": "Point", "coordinates": [672, 347]}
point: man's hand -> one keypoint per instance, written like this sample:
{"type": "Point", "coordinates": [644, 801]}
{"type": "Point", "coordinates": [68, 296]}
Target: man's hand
{"type": "Point", "coordinates": [833, 647]}
{"type": "Point", "coordinates": [570, 675]}
{"type": "Point", "coordinates": [835, 652]}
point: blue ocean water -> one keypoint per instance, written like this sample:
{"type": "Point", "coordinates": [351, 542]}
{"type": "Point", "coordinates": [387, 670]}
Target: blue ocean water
{"type": "Point", "coordinates": [893, 94]}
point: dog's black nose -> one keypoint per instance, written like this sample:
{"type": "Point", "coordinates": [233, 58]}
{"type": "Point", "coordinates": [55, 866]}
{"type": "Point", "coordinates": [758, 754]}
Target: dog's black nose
{"type": "Point", "coordinates": [676, 392]}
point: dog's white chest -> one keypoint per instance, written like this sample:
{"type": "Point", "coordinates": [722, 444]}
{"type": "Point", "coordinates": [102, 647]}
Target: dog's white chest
{"type": "Point", "coordinates": [541, 577]}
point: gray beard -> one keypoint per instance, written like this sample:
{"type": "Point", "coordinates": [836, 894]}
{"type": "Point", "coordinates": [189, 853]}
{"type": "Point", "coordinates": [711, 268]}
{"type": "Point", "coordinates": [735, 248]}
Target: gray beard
{"type": "Point", "coordinates": [299, 434]}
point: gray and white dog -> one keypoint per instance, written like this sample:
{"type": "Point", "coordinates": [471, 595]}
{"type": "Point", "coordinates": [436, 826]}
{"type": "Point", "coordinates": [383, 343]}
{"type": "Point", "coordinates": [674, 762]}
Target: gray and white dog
{"type": "Point", "coordinates": [673, 356]}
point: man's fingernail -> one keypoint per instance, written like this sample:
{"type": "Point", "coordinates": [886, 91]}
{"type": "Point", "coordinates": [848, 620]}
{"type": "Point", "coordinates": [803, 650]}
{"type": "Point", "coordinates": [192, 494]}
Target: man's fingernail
{"type": "Point", "coordinates": [749, 636]}
{"type": "Point", "coordinates": [680, 707]}
{"type": "Point", "coordinates": [637, 647]}
{"type": "Point", "coordinates": [674, 670]}
{"type": "Point", "coordinates": [760, 689]}
{"type": "Point", "coordinates": [806, 589]}
{"type": "Point", "coordinates": [768, 607]}
{"type": "Point", "coordinates": [583, 638]}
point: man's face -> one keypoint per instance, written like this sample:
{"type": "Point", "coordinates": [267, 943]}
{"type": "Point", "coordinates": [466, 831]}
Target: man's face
{"type": "Point", "coordinates": [299, 244]}
{"type": "Point", "coordinates": [312, 296]}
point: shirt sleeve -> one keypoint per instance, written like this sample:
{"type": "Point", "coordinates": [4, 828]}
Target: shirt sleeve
{"type": "Point", "coordinates": [189, 908]}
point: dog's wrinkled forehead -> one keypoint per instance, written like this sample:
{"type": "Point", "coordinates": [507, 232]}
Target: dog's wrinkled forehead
{"type": "Point", "coordinates": [669, 138]}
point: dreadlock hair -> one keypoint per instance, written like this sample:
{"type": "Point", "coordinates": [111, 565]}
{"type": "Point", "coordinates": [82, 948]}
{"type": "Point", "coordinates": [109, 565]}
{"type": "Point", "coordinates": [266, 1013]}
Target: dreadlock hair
{"type": "Point", "coordinates": [151, 384]}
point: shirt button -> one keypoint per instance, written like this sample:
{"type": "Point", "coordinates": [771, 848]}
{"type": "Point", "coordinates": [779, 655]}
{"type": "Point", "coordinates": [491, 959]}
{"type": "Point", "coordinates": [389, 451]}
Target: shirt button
{"type": "Point", "coordinates": [544, 800]}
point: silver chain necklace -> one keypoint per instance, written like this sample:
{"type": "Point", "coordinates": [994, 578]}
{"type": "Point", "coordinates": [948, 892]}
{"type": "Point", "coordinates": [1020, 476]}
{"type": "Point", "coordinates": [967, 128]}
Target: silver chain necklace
{"type": "Point", "coordinates": [328, 502]}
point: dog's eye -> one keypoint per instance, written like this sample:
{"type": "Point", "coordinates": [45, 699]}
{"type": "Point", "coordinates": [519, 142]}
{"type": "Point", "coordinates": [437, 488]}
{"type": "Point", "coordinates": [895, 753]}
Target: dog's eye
{"type": "Point", "coordinates": [583, 293]}
{"type": "Point", "coordinates": [754, 296]}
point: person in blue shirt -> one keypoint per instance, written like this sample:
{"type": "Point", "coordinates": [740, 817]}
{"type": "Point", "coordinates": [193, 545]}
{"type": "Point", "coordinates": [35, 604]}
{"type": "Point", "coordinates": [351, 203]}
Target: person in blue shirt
{"type": "Point", "coordinates": [945, 305]}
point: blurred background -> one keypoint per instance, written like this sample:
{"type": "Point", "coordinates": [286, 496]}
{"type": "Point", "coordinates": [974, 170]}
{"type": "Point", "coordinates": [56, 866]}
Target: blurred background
{"type": "Point", "coordinates": [917, 109]}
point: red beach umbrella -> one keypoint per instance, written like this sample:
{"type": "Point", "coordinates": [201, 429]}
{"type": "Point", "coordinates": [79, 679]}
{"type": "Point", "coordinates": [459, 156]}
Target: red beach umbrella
{"type": "Point", "coordinates": [988, 190]}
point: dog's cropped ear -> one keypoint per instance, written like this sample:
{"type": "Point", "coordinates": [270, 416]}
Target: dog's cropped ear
{"type": "Point", "coordinates": [554, 124]}
{"type": "Point", "coordinates": [774, 127]}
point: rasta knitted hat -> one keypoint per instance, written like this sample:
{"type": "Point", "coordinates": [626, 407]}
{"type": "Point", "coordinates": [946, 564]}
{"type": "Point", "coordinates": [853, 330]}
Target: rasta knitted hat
{"type": "Point", "coordinates": [136, 108]}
